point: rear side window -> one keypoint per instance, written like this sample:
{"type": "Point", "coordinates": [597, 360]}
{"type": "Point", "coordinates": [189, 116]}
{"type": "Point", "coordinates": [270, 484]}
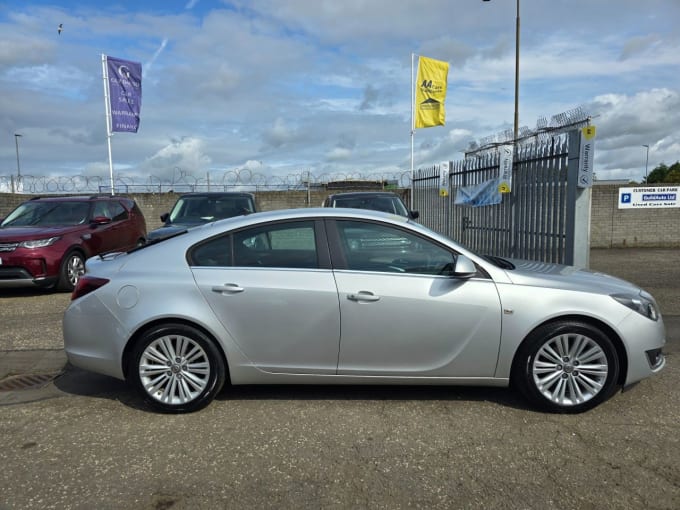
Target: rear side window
{"type": "Point", "coordinates": [282, 245]}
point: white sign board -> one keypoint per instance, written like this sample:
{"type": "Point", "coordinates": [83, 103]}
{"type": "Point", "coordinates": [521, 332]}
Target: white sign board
{"type": "Point", "coordinates": [586, 156]}
{"type": "Point", "coordinates": [444, 179]}
{"type": "Point", "coordinates": [638, 198]}
{"type": "Point", "coordinates": [505, 182]}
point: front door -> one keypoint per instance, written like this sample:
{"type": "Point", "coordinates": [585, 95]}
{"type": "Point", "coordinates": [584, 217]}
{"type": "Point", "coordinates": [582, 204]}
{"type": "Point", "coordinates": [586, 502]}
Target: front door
{"type": "Point", "coordinates": [402, 315]}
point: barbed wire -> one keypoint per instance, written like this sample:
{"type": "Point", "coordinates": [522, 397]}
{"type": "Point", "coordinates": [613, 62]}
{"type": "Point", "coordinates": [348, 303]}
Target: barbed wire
{"type": "Point", "coordinates": [182, 181]}
{"type": "Point", "coordinates": [558, 125]}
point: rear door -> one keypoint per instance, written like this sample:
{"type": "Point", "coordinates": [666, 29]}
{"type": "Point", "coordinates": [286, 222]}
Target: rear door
{"type": "Point", "coordinates": [272, 288]}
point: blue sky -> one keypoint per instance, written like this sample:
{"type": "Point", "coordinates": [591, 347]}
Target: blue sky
{"type": "Point", "coordinates": [284, 87]}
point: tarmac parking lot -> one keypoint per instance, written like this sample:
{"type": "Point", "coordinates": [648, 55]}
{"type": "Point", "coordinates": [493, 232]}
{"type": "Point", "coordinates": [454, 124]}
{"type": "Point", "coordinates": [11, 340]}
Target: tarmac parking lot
{"type": "Point", "coordinates": [81, 440]}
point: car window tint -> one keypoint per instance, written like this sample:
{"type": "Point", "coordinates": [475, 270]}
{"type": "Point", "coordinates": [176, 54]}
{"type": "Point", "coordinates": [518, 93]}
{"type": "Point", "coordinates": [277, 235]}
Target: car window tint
{"type": "Point", "coordinates": [213, 253]}
{"type": "Point", "coordinates": [117, 211]}
{"type": "Point", "coordinates": [101, 209]}
{"type": "Point", "coordinates": [290, 245]}
{"type": "Point", "coordinates": [375, 247]}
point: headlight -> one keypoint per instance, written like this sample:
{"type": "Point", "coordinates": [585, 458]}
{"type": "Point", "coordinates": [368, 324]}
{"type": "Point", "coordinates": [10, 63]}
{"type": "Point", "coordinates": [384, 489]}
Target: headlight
{"type": "Point", "coordinates": [39, 243]}
{"type": "Point", "coordinates": [640, 304]}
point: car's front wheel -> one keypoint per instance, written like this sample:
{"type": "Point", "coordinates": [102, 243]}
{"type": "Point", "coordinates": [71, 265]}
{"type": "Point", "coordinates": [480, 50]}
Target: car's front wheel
{"type": "Point", "coordinates": [177, 368]}
{"type": "Point", "coordinates": [72, 268]}
{"type": "Point", "coordinates": [567, 366]}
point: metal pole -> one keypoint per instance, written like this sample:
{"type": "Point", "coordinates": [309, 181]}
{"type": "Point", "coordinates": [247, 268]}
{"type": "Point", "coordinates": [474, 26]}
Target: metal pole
{"type": "Point", "coordinates": [517, 73]}
{"type": "Point", "coordinates": [16, 143]}
{"type": "Point", "coordinates": [413, 125]}
{"type": "Point", "coordinates": [646, 162]}
{"type": "Point", "coordinates": [516, 120]}
{"type": "Point", "coordinates": [107, 106]}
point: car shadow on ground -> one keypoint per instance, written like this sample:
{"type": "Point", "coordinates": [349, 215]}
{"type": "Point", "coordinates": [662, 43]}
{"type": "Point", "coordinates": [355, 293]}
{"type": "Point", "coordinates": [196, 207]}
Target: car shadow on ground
{"type": "Point", "coordinates": [78, 382]}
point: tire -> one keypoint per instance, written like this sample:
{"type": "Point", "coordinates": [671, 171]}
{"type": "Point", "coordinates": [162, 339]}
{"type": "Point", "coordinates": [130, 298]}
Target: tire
{"type": "Point", "coordinates": [176, 368]}
{"type": "Point", "coordinates": [566, 367]}
{"type": "Point", "coordinates": [72, 267]}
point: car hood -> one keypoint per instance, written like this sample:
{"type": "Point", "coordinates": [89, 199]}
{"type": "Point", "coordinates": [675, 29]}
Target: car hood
{"type": "Point", "coordinates": [29, 233]}
{"type": "Point", "coordinates": [557, 276]}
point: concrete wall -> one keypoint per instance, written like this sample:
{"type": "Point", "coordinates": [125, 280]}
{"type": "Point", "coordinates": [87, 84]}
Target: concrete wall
{"type": "Point", "coordinates": [611, 227]}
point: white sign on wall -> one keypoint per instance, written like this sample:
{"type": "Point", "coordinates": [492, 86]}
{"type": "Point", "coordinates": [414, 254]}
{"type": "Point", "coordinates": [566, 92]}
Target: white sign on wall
{"type": "Point", "coordinates": [637, 198]}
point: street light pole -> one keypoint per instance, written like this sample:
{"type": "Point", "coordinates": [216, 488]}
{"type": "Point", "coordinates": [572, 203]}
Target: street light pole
{"type": "Point", "coordinates": [16, 143]}
{"type": "Point", "coordinates": [646, 162]}
{"type": "Point", "coordinates": [517, 32]}
{"type": "Point", "coordinates": [516, 131]}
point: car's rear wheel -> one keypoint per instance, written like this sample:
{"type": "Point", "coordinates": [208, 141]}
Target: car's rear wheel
{"type": "Point", "coordinates": [567, 367]}
{"type": "Point", "coordinates": [72, 268]}
{"type": "Point", "coordinates": [177, 368]}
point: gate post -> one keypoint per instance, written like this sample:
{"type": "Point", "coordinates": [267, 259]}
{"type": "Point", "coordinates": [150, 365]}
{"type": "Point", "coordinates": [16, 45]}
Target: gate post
{"type": "Point", "coordinates": [577, 242]}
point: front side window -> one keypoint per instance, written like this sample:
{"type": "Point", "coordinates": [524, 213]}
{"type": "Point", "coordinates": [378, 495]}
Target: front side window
{"type": "Point", "coordinates": [117, 211]}
{"type": "Point", "coordinates": [376, 247]}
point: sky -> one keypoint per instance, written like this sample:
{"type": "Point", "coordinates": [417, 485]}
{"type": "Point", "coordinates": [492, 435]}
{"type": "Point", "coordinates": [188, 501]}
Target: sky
{"type": "Point", "coordinates": [275, 89]}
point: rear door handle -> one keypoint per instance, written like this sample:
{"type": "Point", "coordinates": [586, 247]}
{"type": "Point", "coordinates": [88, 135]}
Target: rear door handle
{"type": "Point", "coordinates": [363, 295]}
{"type": "Point", "coordinates": [228, 288]}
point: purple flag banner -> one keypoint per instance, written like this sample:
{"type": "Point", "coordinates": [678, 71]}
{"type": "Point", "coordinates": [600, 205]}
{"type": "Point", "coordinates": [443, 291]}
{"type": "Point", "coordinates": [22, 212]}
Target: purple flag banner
{"type": "Point", "coordinates": [125, 94]}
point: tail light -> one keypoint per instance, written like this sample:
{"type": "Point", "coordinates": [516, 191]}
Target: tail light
{"type": "Point", "coordinates": [87, 284]}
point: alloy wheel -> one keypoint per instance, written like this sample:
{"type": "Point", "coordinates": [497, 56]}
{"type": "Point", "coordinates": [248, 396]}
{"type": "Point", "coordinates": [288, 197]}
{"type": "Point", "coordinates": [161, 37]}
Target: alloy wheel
{"type": "Point", "coordinates": [570, 369]}
{"type": "Point", "coordinates": [174, 369]}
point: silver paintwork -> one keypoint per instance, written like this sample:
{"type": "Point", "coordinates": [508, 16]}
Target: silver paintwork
{"type": "Point", "coordinates": [318, 326]}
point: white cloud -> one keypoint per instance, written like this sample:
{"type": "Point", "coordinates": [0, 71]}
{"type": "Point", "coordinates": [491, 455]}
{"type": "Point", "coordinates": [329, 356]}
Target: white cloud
{"type": "Point", "coordinates": [325, 86]}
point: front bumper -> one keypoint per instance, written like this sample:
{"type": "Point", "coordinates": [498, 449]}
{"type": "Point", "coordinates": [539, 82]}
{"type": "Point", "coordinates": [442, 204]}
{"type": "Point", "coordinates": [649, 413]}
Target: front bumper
{"type": "Point", "coordinates": [644, 340]}
{"type": "Point", "coordinates": [18, 277]}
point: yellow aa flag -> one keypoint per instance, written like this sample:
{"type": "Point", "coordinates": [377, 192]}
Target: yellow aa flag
{"type": "Point", "coordinates": [430, 92]}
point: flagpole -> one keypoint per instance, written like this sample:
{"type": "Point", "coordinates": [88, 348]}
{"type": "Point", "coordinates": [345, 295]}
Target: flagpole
{"type": "Point", "coordinates": [413, 100]}
{"type": "Point", "coordinates": [107, 107]}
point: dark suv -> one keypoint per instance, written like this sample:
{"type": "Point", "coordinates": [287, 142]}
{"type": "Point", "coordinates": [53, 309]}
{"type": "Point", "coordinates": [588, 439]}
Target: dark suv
{"type": "Point", "coordinates": [193, 209]}
{"type": "Point", "coordinates": [45, 241]}
{"type": "Point", "coordinates": [385, 201]}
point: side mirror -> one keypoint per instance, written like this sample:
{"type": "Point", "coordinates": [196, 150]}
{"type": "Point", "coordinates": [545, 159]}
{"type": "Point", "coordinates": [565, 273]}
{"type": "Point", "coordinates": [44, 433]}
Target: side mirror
{"type": "Point", "coordinates": [164, 217]}
{"type": "Point", "coordinates": [414, 215]}
{"type": "Point", "coordinates": [100, 220]}
{"type": "Point", "coordinates": [465, 268]}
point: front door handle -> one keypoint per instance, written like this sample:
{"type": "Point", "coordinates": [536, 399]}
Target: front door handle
{"type": "Point", "coordinates": [228, 288]}
{"type": "Point", "coordinates": [363, 295]}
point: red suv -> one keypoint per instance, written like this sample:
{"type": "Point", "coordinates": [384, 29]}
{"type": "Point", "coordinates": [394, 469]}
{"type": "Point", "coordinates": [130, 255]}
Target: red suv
{"type": "Point", "coordinates": [45, 241]}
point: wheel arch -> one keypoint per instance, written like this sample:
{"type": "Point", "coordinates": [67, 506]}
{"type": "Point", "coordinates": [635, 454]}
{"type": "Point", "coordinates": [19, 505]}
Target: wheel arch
{"type": "Point", "coordinates": [591, 321]}
{"type": "Point", "coordinates": [129, 347]}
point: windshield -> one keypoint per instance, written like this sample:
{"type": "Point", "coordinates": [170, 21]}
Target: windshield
{"type": "Point", "coordinates": [48, 214]}
{"type": "Point", "coordinates": [202, 209]}
{"type": "Point", "coordinates": [387, 204]}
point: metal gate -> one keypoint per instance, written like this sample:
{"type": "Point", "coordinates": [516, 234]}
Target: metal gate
{"type": "Point", "coordinates": [536, 221]}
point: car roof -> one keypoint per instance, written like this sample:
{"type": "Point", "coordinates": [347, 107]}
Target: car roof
{"type": "Point", "coordinates": [76, 198]}
{"type": "Point", "coordinates": [308, 213]}
{"type": "Point", "coordinates": [364, 194]}
{"type": "Point", "coordinates": [216, 194]}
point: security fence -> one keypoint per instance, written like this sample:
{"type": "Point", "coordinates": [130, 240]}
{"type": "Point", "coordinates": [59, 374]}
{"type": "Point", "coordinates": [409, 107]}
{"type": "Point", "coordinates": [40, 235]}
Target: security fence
{"type": "Point", "coordinates": [537, 220]}
{"type": "Point", "coordinates": [182, 181]}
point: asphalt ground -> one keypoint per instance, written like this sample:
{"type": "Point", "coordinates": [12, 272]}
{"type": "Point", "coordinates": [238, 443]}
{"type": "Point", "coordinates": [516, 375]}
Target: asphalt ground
{"type": "Point", "coordinates": [80, 440]}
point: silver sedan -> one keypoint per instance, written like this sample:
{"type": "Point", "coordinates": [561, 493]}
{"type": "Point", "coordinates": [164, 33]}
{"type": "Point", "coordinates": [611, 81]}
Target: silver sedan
{"type": "Point", "coordinates": [342, 296]}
